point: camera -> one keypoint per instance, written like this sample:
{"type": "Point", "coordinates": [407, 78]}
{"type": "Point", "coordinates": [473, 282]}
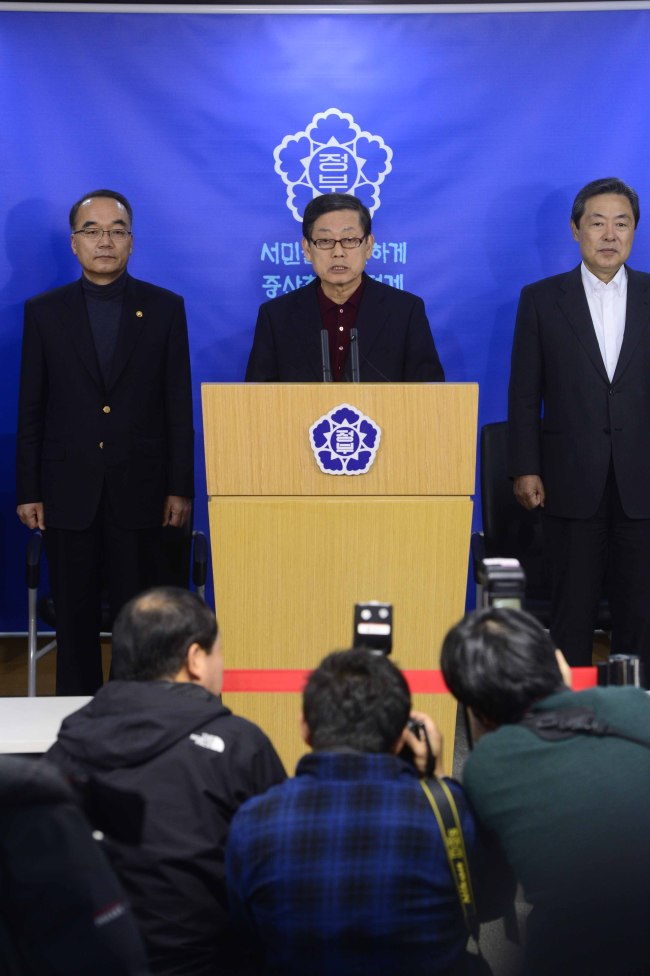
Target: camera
{"type": "Point", "coordinates": [503, 583]}
{"type": "Point", "coordinates": [417, 728]}
{"type": "Point", "coordinates": [373, 626]}
{"type": "Point", "coordinates": [620, 669]}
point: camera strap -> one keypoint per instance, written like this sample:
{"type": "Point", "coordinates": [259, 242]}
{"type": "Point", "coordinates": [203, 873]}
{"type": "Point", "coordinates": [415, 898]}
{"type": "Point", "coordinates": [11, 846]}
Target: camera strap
{"type": "Point", "coordinates": [564, 723]}
{"type": "Point", "coordinates": [445, 810]}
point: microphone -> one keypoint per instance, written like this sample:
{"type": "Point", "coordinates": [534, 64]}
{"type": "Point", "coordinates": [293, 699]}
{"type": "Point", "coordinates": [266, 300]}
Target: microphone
{"type": "Point", "coordinates": [376, 369]}
{"type": "Point", "coordinates": [354, 354]}
{"type": "Point", "coordinates": [325, 356]}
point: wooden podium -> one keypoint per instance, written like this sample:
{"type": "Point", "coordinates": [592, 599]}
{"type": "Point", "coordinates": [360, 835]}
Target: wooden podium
{"type": "Point", "coordinates": [293, 549]}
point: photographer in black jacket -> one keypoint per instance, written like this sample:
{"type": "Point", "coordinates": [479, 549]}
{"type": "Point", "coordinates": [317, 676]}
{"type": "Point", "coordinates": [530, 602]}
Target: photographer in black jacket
{"type": "Point", "coordinates": [161, 734]}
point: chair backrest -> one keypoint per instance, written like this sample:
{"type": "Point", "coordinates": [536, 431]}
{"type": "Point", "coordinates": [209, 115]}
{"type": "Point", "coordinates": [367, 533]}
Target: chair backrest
{"type": "Point", "coordinates": [509, 530]}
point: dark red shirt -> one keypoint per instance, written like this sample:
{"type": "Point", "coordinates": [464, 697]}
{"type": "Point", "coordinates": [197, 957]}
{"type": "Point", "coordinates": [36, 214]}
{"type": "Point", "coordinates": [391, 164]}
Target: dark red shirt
{"type": "Point", "coordinates": [338, 320]}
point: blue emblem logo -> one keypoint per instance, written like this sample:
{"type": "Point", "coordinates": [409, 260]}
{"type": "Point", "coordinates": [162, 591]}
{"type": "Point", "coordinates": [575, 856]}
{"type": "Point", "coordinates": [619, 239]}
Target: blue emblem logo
{"type": "Point", "coordinates": [344, 441]}
{"type": "Point", "coordinates": [332, 155]}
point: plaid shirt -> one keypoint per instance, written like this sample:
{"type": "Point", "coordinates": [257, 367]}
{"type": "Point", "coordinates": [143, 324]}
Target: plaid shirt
{"type": "Point", "coordinates": [342, 871]}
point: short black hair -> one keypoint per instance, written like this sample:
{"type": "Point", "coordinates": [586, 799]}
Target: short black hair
{"type": "Point", "coordinates": [153, 632]}
{"type": "Point", "coordinates": [610, 184]}
{"type": "Point", "coordinates": [356, 699]}
{"type": "Point", "coordinates": [111, 194]}
{"type": "Point", "coordinates": [498, 662]}
{"type": "Point", "coordinates": [326, 203]}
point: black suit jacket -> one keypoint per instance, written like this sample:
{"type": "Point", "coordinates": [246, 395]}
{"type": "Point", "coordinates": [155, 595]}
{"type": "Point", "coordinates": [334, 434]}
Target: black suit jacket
{"type": "Point", "coordinates": [132, 436]}
{"type": "Point", "coordinates": [587, 420]}
{"type": "Point", "coordinates": [395, 341]}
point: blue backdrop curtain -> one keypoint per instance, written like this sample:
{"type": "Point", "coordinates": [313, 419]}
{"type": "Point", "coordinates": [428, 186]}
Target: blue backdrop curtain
{"type": "Point", "coordinates": [467, 133]}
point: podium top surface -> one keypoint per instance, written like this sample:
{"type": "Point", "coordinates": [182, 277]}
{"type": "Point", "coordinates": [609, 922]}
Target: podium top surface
{"type": "Point", "coordinates": [257, 438]}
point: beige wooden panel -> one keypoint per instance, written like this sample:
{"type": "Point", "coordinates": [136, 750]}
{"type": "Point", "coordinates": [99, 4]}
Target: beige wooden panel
{"type": "Point", "coordinates": [278, 714]}
{"type": "Point", "coordinates": [257, 438]}
{"type": "Point", "coordinates": [289, 571]}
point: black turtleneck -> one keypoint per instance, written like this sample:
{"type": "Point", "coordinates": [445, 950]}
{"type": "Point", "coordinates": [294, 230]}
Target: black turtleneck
{"type": "Point", "coordinates": [104, 304]}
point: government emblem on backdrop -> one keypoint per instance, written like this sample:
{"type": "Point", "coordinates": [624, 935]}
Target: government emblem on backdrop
{"type": "Point", "coordinates": [344, 441]}
{"type": "Point", "coordinates": [332, 155]}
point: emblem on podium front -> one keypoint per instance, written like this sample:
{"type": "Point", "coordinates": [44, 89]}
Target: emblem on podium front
{"type": "Point", "coordinates": [344, 441]}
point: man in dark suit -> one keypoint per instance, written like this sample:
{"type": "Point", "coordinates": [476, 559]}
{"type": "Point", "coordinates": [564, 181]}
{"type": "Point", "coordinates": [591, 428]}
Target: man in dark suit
{"type": "Point", "coordinates": [581, 354]}
{"type": "Point", "coordinates": [394, 339]}
{"type": "Point", "coordinates": [105, 452]}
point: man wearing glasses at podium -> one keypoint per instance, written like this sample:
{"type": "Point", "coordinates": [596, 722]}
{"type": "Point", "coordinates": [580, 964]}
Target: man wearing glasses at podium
{"type": "Point", "coordinates": [344, 325]}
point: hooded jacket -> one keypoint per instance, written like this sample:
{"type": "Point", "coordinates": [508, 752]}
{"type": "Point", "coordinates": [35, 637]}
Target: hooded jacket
{"type": "Point", "coordinates": [62, 912]}
{"type": "Point", "coordinates": [163, 767]}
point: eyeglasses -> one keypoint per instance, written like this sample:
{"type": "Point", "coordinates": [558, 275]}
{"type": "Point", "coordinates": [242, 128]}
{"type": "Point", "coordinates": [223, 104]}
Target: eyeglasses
{"type": "Point", "coordinates": [116, 234]}
{"type": "Point", "coordinates": [327, 243]}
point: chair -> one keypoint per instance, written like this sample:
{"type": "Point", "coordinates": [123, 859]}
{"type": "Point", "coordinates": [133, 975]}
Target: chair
{"type": "Point", "coordinates": [510, 531]}
{"type": "Point", "coordinates": [184, 557]}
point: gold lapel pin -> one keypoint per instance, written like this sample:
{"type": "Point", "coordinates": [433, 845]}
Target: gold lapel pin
{"type": "Point", "coordinates": [138, 314]}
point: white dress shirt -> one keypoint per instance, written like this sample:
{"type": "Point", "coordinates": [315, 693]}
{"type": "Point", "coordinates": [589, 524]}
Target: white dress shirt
{"type": "Point", "coordinates": [607, 304]}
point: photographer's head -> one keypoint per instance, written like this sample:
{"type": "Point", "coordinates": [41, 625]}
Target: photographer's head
{"type": "Point", "coordinates": [497, 662]}
{"type": "Point", "coordinates": [356, 700]}
{"type": "Point", "coordinates": [168, 633]}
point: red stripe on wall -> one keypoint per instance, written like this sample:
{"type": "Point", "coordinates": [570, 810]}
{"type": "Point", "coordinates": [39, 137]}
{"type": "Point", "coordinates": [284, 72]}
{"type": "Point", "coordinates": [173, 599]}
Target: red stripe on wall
{"type": "Point", "coordinates": [293, 680]}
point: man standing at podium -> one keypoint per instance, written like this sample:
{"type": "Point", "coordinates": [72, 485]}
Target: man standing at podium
{"type": "Point", "coordinates": [302, 335]}
{"type": "Point", "coordinates": [105, 452]}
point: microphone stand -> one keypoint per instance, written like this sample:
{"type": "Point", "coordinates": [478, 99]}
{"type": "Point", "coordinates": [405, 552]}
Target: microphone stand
{"type": "Point", "coordinates": [354, 355]}
{"type": "Point", "coordinates": [325, 356]}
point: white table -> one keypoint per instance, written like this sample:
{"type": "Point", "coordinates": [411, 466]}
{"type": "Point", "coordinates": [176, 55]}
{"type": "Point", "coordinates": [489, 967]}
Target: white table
{"type": "Point", "coordinates": [32, 724]}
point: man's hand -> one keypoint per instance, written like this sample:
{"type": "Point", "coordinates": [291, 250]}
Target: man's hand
{"type": "Point", "coordinates": [176, 510]}
{"type": "Point", "coordinates": [529, 491]}
{"type": "Point", "coordinates": [419, 746]}
{"type": "Point", "coordinates": [32, 515]}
